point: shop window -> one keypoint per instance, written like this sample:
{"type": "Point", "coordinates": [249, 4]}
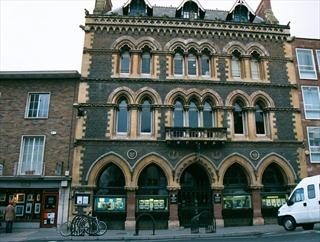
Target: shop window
{"type": "Point", "coordinates": [122, 117]}
{"type": "Point", "coordinates": [306, 64]}
{"type": "Point", "coordinates": [238, 117]}
{"type": "Point", "coordinates": [311, 102]}
{"type": "Point", "coordinates": [145, 117]}
{"type": "Point", "coordinates": [31, 155]}
{"type": "Point", "coordinates": [314, 144]}
{"type": "Point", "coordinates": [178, 119]}
{"type": "Point", "coordinates": [38, 105]}
{"type": "Point", "coordinates": [260, 119]}
{"type": "Point", "coordinates": [236, 65]}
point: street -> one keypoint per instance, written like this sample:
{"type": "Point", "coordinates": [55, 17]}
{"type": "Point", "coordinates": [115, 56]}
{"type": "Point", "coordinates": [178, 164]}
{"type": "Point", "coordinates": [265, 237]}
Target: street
{"type": "Point", "coordinates": [297, 236]}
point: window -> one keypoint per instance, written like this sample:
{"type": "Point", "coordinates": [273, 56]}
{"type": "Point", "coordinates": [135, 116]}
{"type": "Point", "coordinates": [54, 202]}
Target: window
{"type": "Point", "coordinates": [238, 116]}
{"type": "Point", "coordinates": [241, 14]}
{"type": "Point", "coordinates": [122, 117]}
{"type": "Point", "coordinates": [255, 66]}
{"type": "Point", "coordinates": [178, 64]}
{"type": "Point", "coordinates": [236, 65]}
{"type": "Point", "coordinates": [178, 114]}
{"type": "Point", "coordinates": [311, 191]}
{"type": "Point", "coordinates": [207, 115]}
{"type": "Point", "coordinates": [146, 63]}
{"type": "Point", "coordinates": [306, 64]}
{"type": "Point", "coordinates": [205, 65]}
{"type": "Point", "coordinates": [311, 102]}
{"type": "Point", "coordinates": [125, 63]}
{"type": "Point", "coordinates": [145, 117]}
{"type": "Point", "coordinates": [297, 196]}
{"type": "Point", "coordinates": [38, 105]}
{"type": "Point", "coordinates": [31, 155]}
{"type": "Point", "coordinates": [318, 59]}
{"type": "Point", "coordinates": [193, 115]}
{"type": "Point", "coordinates": [137, 8]}
{"type": "Point", "coordinates": [314, 144]}
{"type": "Point", "coordinates": [260, 119]}
{"type": "Point", "coordinates": [192, 65]}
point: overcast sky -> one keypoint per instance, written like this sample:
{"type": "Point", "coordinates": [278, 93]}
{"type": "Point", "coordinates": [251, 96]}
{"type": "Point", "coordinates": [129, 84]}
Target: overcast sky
{"type": "Point", "coordinates": [45, 34]}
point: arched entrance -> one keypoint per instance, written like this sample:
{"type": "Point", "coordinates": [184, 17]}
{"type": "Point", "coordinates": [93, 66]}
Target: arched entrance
{"type": "Point", "coordinates": [110, 197]}
{"type": "Point", "coordinates": [237, 205]}
{"type": "Point", "coordinates": [195, 194]}
{"type": "Point", "coordinates": [274, 192]}
{"type": "Point", "coordinates": [152, 197]}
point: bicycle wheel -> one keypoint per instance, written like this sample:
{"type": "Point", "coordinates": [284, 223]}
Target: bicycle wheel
{"type": "Point", "coordinates": [65, 229]}
{"type": "Point", "coordinates": [102, 228]}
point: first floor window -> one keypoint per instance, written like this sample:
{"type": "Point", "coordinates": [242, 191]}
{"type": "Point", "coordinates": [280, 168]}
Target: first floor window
{"type": "Point", "coordinates": [238, 118]}
{"type": "Point", "coordinates": [145, 117]}
{"type": "Point", "coordinates": [178, 64]}
{"type": "Point", "coordinates": [31, 157]}
{"type": "Point", "coordinates": [178, 114]}
{"type": "Point", "coordinates": [314, 144]}
{"type": "Point", "coordinates": [122, 122]}
{"type": "Point", "coordinates": [38, 105]}
{"type": "Point", "coordinates": [125, 63]}
{"type": "Point", "coordinates": [146, 63]}
{"type": "Point", "coordinates": [235, 66]}
{"type": "Point", "coordinates": [205, 65]}
{"type": "Point", "coordinates": [306, 64]}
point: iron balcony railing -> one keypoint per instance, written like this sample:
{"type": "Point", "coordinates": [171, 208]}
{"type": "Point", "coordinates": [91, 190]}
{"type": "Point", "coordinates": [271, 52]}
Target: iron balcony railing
{"type": "Point", "coordinates": [195, 134]}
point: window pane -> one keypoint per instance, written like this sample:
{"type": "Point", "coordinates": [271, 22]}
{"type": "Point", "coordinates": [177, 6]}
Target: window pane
{"type": "Point", "coordinates": [178, 64]}
{"type": "Point", "coordinates": [207, 115]}
{"type": "Point", "coordinates": [255, 69]}
{"type": "Point", "coordinates": [259, 120]}
{"type": "Point", "coordinates": [38, 105]}
{"type": "Point", "coordinates": [238, 119]}
{"type": "Point", "coordinates": [205, 66]}
{"type": "Point", "coordinates": [306, 64]}
{"type": "Point", "coordinates": [192, 65]}
{"type": "Point", "coordinates": [318, 59]}
{"type": "Point", "coordinates": [193, 115]}
{"type": "Point", "coordinates": [236, 71]}
{"type": "Point", "coordinates": [311, 101]}
{"type": "Point", "coordinates": [125, 62]}
{"type": "Point", "coordinates": [314, 143]}
{"type": "Point", "coordinates": [32, 155]}
{"type": "Point", "coordinates": [311, 192]}
{"type": "Point", "coordinates": [178, 115]}
{"type": "Point", "coordinates": [146, 117]}
{"type": "Point", "coordinates": [122, 126]}
{"type": "Point", "coordinates": [146, 63]}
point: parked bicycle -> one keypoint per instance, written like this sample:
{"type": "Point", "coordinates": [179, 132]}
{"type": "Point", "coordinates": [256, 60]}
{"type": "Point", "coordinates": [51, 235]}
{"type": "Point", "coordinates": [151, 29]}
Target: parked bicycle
{"type": "Point", "coordinates": [83, 224]}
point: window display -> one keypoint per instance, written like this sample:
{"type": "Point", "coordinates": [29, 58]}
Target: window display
{"type": "Point", "coordinates": [273, 201]}
{"type": "Point", "coordinates": [152, 204]}
{"type": "Point", "coordinates": [237, 202]}
{"type": "Point", "coordinates": [111, 204]}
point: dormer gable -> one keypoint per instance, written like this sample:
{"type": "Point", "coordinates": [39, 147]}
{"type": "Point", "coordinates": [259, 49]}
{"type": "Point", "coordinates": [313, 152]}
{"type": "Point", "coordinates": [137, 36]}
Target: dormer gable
{"type": "Point", "coordinates": [137, 8]}
{"type": "Point", "coordinates": [241, 12]}
{"type": "Point", "coordinates": [190, 9]}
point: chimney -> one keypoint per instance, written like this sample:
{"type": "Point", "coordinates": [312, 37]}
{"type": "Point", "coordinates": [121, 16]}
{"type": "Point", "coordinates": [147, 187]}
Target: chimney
{"type": "Point", "coordinates": [264, 11]}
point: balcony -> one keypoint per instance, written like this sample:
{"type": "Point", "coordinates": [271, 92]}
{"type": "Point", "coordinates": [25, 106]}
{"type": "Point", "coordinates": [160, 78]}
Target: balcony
{"type": "Point", "coordinates": [188, 135]}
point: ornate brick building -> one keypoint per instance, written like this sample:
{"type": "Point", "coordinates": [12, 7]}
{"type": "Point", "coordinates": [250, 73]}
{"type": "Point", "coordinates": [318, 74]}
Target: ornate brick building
{"type": "Point", "coordinates": [186, 111]}
{"type": "Point", "coordinates": [36, 130]}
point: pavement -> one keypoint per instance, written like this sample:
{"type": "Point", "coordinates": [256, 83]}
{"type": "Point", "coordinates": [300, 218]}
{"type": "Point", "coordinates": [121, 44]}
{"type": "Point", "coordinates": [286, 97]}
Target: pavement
{"type": "Point", "coordinates": [52, 234]}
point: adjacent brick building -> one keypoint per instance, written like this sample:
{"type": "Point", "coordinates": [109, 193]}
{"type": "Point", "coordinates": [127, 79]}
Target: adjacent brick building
{"type": "Point", "coordinates": [36, 143]}
{"type": "Point", "coordinates": [186, 111]}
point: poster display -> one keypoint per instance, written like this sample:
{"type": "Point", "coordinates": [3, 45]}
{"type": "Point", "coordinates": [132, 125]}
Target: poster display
{"type": "Point", "coordinates": [237, 202]}
{"type": "Point", "coordinates": [111, 204]}
{"type": "Point", "coordinates": [273, 201]}
{"type": "Point", "coordinates": [152, 204]}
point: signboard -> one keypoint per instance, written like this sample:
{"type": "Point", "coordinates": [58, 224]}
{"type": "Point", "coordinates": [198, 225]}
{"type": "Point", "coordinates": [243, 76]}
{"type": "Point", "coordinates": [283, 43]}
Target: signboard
{"type": "Point", "coordinates": [152, 204]}
{"type": "Point", "coordinates": [237, 202]}
{"type": "Point", "coordinates": [273, 201]}
{"type": "Point", "coordinates": [217, 197]}
{"type": "Point", "coordinates": [173, 199]}
{"type": "Point", "coordinates": [110, 204]}
{"type": "Point", "coordinates": [82, 199]}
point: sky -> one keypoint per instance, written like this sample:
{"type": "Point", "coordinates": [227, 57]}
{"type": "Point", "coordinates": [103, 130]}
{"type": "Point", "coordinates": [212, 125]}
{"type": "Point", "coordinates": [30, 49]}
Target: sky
{"type": "Point", "coordinates": [45, 34]}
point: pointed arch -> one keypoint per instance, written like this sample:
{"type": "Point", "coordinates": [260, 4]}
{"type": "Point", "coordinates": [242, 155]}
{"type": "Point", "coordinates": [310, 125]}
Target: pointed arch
{"type": "Point", "coordinates": [203, 161]}
{"type": "Point", "coordinates": [234, 45]}
{"type": "Point", "coordinates": [119, 92]}
{"type": "Point", "coordinates": [243, 162]}
{"type": "Point", "coordinates": [124, 40]}
{"type": "Point", "coordinates": [255, 96]}
{"type": "Point", "coordinates": [174, 94]}
{"type": "Point", "coordinates": [232, 96]}
{"type": "Point", "coordinates": [149, 41]}
{"type": "Point", "coordinates": [288, 170]}
{"type": "Point", "coordinates": [153, 158]}
{"type": "Point", "coordinates": [147, 91]}
{"type": "Point", "coordinates": [259, 48]}
{"type": "Point", "coordinates": [99, 164]}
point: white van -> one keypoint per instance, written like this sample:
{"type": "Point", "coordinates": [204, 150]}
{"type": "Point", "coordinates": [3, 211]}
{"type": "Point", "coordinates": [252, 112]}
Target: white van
{"type": "Point", "coordinates": [303, 205]}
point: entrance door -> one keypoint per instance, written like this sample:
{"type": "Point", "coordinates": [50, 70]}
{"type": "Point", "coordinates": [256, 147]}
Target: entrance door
{"type": "Point", "coordinates": [49, 209]}
{"type": "Point", "coordinates": [195, 196]}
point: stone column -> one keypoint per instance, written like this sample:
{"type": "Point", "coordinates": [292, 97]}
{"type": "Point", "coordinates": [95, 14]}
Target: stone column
{"type": "Point", "coordinates": [256, 206]}
{"type": "Point", "coordinates": [130, 222]}
{"type": "Point", "coordinates": [217, 206]}
{"type": "Point", "coordinates": [173, 210]}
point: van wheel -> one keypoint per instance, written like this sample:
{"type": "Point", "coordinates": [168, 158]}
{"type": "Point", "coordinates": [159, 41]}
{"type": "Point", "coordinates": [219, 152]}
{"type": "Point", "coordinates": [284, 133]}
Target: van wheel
{"type": "Point", "coordinates": [289, 223]}
{"type": "Point", "coordinates": [308, 226]}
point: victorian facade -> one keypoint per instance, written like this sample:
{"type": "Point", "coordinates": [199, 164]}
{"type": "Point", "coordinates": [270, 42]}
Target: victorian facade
{"type": "Point", "coordinates": [36, 130]}
{"type": "Point", "coordinates": [186, 111]}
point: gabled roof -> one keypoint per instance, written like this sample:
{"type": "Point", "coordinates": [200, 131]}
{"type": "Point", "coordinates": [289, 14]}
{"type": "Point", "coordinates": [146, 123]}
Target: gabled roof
{"type": "Point", "coordinates": [241, 2]}
{"type": "Point", "coordinates": [145, 1]}
{"type": "Point", "coordinates": [195, 1]}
